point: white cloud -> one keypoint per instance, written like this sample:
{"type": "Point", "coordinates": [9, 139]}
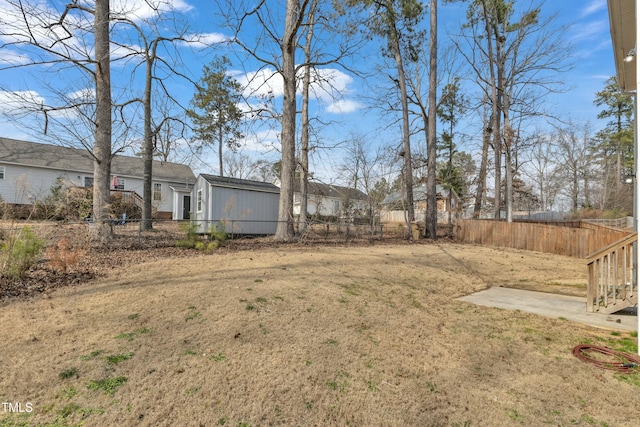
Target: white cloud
{"type": "Point", "coordinates": [591, 30]}
{"type": "Point", "coordinates": [145, 9]}
{"type": "Point", "coordinates": [262, 142]}
{"type": "Point", "coordinates": [265, 83]}
{"type": "Point", "coordinates": [14, 102]}
{"type": "Point", "coordinates": [343, 106]}
{"type": "Point", "coordinates": [37, 23]}
{"type": "Point", "coordinates": [329, 86]}
{"type": "Point", "coordinates": [593, 7]}
{"type": "Point", "coordinates": [13, 58]}
{"type": "Point", "coordinates": [330, 83]}
{"type": "Point", "coordinates": [207, 39]}
{"type": "Point", "coordinates": [86, 94]}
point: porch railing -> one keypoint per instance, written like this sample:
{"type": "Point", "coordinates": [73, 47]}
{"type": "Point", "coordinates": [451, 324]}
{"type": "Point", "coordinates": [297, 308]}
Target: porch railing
{"type": "Point", "coordinates": [129, 196]}
{"type": "Point", "coordinates": [613, 284]}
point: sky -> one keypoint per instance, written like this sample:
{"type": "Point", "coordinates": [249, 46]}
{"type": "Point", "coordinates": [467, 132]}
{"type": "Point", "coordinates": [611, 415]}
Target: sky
{"type": "Point", "coordinates": [345, 108]}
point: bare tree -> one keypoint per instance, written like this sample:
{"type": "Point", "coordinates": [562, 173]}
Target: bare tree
{"type": "Point", "coordinates": [274, 43]}
{"type": "Point", "coordinates": [431, 218]}
{"type": "Point", "coordinates": [102, 148]}
{"type": "Point", "coordinates": [61, 40]}
{"type": "Point", "coordinates": [363, 168]}
{"type": "Point", "coordinates": [238, 165]}
{"type": "Point", "coordinates": [396, 22]}
{"type": "Point", "coordinates": [152, 35]}
{"type": "Point", "coordinates": [304, 135]}
{"type": "Point", "coordinates": [517, 57]}
{"type": "Point", "coordinates": [576, 157]}
{"type": "Point", "coordinates": [543, 169]}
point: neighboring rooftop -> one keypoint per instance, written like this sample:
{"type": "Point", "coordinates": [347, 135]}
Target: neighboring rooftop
{"type": "Point", "coordinates": [49, 156]}
{"type": "Point", "coordinates": [419, 194]}
{"type": "Point", "coordinates": [329, 190]}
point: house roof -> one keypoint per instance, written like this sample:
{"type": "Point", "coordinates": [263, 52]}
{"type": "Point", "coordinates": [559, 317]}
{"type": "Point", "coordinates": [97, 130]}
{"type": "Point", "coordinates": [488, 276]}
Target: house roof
{"type": "Point", "coordinates": [622, 21]}
{"type": "Point", "coordinates": [242, 184]}
{"type": "Point", "coordinates": [335, 191]}
{"type": "Point", "coordinates": [74, 159]}
{"type": "Point", "coordinates": [419, 194]}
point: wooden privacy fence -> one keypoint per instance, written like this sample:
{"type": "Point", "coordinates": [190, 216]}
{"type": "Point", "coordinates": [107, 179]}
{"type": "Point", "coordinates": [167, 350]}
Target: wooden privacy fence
{"type": "Point", "coordinates": [577, 239]}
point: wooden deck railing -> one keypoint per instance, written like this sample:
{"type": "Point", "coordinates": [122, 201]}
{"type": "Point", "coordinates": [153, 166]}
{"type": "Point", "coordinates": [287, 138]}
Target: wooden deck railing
{"type": "Point", "coordinates": [613, 284]}
{"type": "Point", "coordinates": [129, 196]}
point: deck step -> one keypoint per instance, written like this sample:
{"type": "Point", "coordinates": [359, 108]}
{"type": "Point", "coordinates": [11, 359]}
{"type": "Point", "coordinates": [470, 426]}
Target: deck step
{"type": "Point", "coordinates": [619, 305]}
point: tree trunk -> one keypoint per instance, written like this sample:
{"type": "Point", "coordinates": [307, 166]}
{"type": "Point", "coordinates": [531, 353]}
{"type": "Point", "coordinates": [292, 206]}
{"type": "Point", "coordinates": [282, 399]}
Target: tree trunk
{"type": "Point", "coordinates": [508, 171]}
{"type": "Point", "coordinates": [304, 136]}
{"type": "Point", "coordinates": [147, 148]}
{"type": "Point", "coordinates": [496, 111]}
{"type": "Point", "coordinates": [220, 142]}
{"type": "Point", "coordinates": [482, 173]}
{"type": "Point", "coordinates": [406, 142]}
{"type": "Point", "coordinates": [431, 226]}
{"type": "Point", "coordinates": [284, 230]}
{"type": "Point", "coordinates": [102, 148]}
{"type": "Point", "coordinates": [508, 178]}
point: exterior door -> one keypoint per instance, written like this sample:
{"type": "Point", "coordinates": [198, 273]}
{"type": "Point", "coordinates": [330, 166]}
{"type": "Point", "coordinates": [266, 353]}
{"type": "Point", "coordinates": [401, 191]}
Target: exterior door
{"type": "Point", "coordinates": [186, 207]}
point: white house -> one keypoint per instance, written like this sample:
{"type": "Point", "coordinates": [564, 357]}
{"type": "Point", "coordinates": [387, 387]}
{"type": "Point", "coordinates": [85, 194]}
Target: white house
{"type": "Point", "coordinates": [241, 206]}
{"type": "Point", "coordinates": [29, 170]}
{"type": "Point", "coordinates": [331, 200]}
{"type": "Point", "coordinates": [447, 203]}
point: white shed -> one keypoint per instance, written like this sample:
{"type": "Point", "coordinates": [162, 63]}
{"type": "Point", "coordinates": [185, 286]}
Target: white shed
{"type": "Point", "coordinates": [241, 206]}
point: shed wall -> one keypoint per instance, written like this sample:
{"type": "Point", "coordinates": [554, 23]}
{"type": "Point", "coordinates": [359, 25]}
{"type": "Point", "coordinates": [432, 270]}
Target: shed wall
{"type": "Point", "coordinates": [240, 211]}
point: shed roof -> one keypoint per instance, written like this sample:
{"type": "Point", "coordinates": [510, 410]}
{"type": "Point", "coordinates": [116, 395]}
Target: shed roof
{"type": "Point", "coordinates": [622, 21]}
{"type": "Point", "coordinates": [241, 184]}
{"type": "Point", "coordinates": [48, 156]}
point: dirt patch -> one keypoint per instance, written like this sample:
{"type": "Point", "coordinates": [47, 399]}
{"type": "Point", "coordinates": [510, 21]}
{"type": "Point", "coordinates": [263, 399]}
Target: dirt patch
{"type": "Point", "coordinates": [308, 335]}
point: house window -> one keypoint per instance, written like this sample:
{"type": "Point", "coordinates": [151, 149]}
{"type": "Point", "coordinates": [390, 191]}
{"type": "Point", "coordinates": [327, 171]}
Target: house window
{"type": "Point", "coordinates": [1, 172]}
{"type": "Point", "coordinates": [88, 181]}
{"type": "Point", "coordinates": [336, 207]}
{"type": "Point", "coordinates": [117, 183]}
{"type": "Point", "coordinates": [199, 201]}
{"type": "Point", "coordinates": [157, 191]}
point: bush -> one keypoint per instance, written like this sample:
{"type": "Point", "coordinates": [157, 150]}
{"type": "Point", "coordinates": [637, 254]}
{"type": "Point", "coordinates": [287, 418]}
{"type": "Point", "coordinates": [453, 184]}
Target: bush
{"type": "Point", "coordinates": [19, 251]}
{"type": "Point", "coordinates": [215, 236]}
{"type": "Point", "coordinates": [217, 233]}
{"type": "Point", "coordinates": [192, 237]}
{"type": "Point", "coordinates": [63, 255]}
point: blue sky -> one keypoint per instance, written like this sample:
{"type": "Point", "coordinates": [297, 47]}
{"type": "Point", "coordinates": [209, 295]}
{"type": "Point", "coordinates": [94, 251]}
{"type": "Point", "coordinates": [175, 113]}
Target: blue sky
{"type": "Point", "coordinates": [347, 109]}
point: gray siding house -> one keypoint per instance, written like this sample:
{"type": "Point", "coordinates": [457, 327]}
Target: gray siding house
{"type": "Point", "coordinates": [29, 170]}
{"type": "Point", "coordinates": [241, 206]}
{"type": "Point", "coordinates": [331, 200]}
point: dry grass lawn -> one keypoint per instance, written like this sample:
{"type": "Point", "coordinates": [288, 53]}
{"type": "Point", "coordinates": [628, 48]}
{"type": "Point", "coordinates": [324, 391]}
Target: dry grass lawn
{"type": "Point", "coordinates": [310, 336]}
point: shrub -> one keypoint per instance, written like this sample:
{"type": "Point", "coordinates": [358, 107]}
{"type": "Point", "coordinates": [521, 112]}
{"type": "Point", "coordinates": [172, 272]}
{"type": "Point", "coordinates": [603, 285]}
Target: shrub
{"type": "Point", "coordinates": [215, 234]}
{"type": "Point", "coordinates": [18, 252]}
{"type": "Point", "coordinates": [63, 255]}
{"type": "Point", "coordinates": [191, 238]}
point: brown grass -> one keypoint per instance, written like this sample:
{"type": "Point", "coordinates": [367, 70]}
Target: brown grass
{"type": "Point", "coordinates": [304, 336]}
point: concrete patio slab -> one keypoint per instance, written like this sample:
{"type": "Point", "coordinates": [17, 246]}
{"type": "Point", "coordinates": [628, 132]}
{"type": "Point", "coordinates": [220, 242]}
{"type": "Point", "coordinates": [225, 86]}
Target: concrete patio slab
{"type": "Point", "coordinates": [552, 305]}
